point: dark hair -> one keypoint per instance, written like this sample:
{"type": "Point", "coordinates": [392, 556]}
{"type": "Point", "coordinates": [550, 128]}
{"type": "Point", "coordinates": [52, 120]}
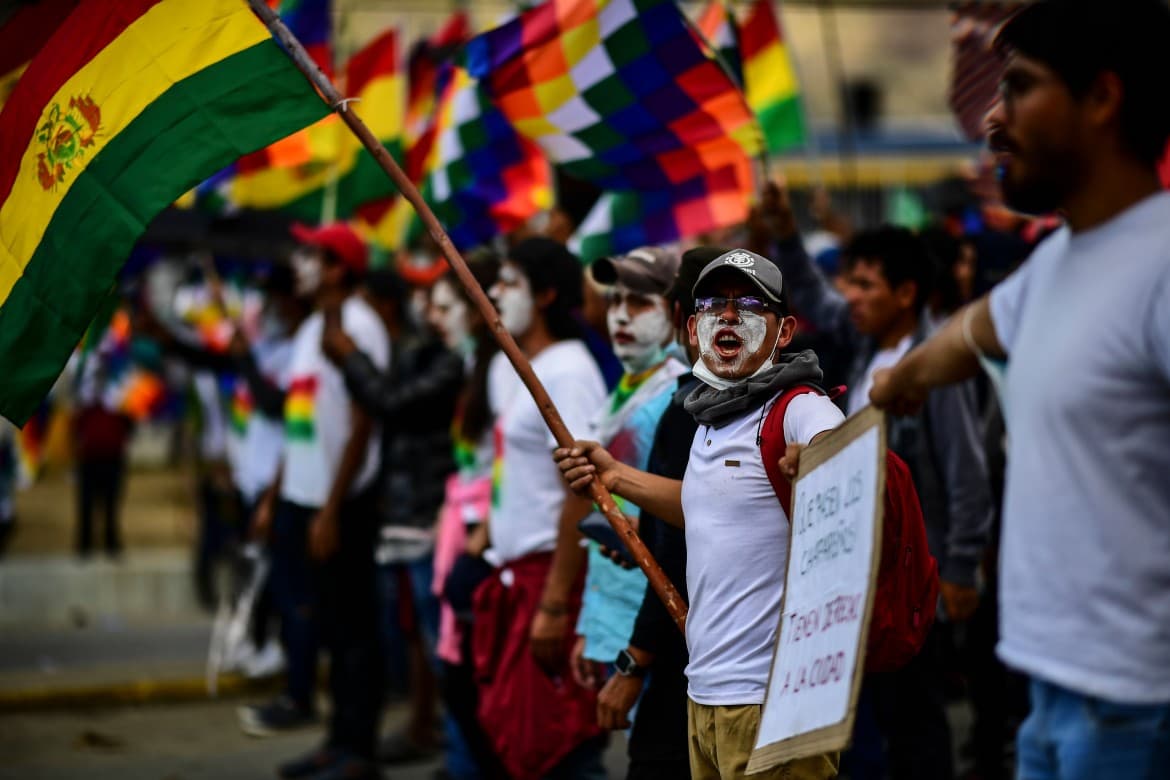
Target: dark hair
{"type": "Point", "coordinates": [692, 263]}
{"type": "Point", "coordinates": [1081, 39]}
{"type": "Point", "coordinates": [901, 255]}
{"type": "Point", "coordinates": [386, 285]}
{"type": "Point", "coordinates": [473, 400]}
{"type": "Point", "coordinates": [548, 265]}
{"type": "Point", "coordinates": [944, 251]}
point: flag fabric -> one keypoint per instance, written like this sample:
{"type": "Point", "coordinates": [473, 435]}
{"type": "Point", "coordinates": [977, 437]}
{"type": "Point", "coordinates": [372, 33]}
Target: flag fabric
{"type": "Point", "coordinates": [481, 177]}
{"type": "Point", "coordinates": [617, 92]}
{"type": "Point", "coordinates": [975, 68]}
{"type": "Point", "coordinates": [128, 104]}
{"type": "Point", "coordinates": [374, 78]}
{"type": "Point", "coordinates": [310, 22]}
{"type": "Point", "coordinates": [427, 57]}
{"type": "Point", "coordinates": [621, 221]}
{"type": "Point", "coordinates": [22, 34]}
{"type": "Point", "coordinates": [308, 150]}
{"type": "Point", "coordinates": [770, 78]}
{"type": "Point", "coordinates": [717, 23]}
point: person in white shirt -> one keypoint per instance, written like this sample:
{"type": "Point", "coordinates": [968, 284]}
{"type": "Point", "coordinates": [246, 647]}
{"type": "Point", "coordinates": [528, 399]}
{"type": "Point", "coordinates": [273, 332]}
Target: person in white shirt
{"type": "Point", "coordinates": [322, 518]}
{"type": "Point", "coordinates": [525, 613]}
{"type": "Point", "coordinates": [736, 529]}
{"type": "Point", "coordinates": [1085, 325]}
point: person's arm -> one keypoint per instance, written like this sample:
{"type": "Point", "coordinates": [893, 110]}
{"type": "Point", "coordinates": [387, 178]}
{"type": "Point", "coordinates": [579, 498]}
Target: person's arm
{"type": "Point", "coordinates": [323, 533]}
{"type": "Point", "coordinates": [551, 624]}
{"type": "Point", "coordinates": [812, 294]}
{"type": "Point", "coordinates": [654, 494]}
{"type": "Point", "coordinates": [949, 356]}
{"type": "Point", "coordinates": [269, 397]}
{"type": "Point", "coordinates": [956, 440]}
{"type": "Point", "coordinates": [386, 397]}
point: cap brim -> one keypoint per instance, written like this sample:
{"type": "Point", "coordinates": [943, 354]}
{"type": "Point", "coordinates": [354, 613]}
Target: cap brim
{"type": "Point", "coordinates": [630, 273]}
{"type": "Point", "coordinates": [303, 233]}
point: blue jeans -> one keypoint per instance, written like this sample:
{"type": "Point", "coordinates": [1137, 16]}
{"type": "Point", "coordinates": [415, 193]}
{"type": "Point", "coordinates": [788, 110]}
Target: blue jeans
{"type": "Point", "coordinates": [1068, 736]}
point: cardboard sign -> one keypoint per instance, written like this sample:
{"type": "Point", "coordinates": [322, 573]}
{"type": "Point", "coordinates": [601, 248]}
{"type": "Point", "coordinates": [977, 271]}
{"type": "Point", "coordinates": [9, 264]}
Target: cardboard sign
{"type": "Point", "coordinates": [834, 549]}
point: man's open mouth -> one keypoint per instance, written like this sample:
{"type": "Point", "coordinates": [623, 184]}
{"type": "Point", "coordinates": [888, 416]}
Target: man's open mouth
{"type": "Point", "coordinates": [727, 343]}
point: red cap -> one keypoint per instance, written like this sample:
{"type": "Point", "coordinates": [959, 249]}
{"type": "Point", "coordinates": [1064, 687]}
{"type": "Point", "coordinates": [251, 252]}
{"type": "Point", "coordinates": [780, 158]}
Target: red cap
{"type": "Point", "coordinates": [339, 239]}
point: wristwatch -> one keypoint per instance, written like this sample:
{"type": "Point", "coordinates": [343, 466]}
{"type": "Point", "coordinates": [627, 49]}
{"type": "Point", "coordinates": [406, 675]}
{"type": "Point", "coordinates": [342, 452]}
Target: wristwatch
{"type": "Point", "coordinates": [627, 666]}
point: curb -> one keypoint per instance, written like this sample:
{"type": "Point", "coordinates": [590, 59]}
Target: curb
{"type": "Point", "coordinates": [129, 692]}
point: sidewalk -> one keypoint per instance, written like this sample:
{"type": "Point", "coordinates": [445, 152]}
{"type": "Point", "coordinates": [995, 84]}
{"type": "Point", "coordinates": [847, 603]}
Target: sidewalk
{"type": "Point", "coordinates": [110, 663]}
{"type": "Point", "coordinates": [100, 631]}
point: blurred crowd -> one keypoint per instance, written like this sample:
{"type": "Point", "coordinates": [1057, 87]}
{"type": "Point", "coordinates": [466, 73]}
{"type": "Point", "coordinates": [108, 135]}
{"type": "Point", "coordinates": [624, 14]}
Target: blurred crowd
{"type": "Point", "coordinates": [381, 485]}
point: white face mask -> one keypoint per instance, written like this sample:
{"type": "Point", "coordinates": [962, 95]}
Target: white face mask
{"type": "Point", "coordinates": [513, 298]}
{"type": "Point", "coordinates": [751, 329]}
{"type": "Point", "coordinates": [650, 331]}
{"type": "Point", "coordinates": [307, 271]}
{"type": "Point", "coordinates": [450, 315]}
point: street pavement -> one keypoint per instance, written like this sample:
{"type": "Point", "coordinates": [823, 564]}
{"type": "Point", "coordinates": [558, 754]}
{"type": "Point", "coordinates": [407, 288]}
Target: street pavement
{"type": "Point", "coordinates": [191, 741]}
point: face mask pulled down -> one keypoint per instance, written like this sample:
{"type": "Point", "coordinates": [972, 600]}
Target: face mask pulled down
{"type": "Point", "coordinates": [645, 335]}
{"type": "Point", "coordinates": [751, 330]}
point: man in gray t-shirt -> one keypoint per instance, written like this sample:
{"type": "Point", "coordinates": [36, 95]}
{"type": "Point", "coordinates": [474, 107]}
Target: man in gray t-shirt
{"type": "Point", "coordinates": [1085, 586]}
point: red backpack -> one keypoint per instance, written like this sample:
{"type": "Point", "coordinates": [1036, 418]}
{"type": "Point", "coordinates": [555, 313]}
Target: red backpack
{"type": "Point", "coordinates": [907, 583]}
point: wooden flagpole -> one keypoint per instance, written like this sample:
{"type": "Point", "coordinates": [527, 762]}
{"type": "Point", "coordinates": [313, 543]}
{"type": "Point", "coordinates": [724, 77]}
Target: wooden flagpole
{"type": "Point", "coordinates": [621, 524]}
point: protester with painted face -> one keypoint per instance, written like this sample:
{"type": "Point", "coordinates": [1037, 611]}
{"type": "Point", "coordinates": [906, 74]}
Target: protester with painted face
{"type": "Point", "coordinates": [462, 532]}
{"type": "Point", "coordinates": [736, 530]}
{"type": "Point", "coordinates": [1085, 325]}
{"type": "Point", "coordinates": [321, 514]}
{"type": "Point", "coordinates": [525, 614]}
{"type": "Point", "coordinates": [641, 331]}
{"type": "Point", "coordinates": [414, 399]}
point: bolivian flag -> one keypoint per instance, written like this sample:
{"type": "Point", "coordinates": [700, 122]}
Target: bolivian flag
{"type": "Point", "coordinates": [374, 77]}
{"type": "Point", "coordinates": [773, 90]}
{"type": "Point", "coordinates": [127, 106]}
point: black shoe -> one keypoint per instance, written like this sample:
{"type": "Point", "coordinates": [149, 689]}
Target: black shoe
{"type": "Point", "coordinates": [277, 716]}
{"type": "Point", "coordinates": [319, 761]}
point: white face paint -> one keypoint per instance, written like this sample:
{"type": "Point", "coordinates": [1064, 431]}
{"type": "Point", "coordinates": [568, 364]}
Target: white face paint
{"type": "Point", "coordinates": [512, 295]}
{"type": "Point", "coordinates": [750, 330]}
{"type": "Point", "coordinates": [638, 340]}
{"type": "Point", "coordinates": [449, 314]}
{"type": "Point", "coordinates": [308, 269]}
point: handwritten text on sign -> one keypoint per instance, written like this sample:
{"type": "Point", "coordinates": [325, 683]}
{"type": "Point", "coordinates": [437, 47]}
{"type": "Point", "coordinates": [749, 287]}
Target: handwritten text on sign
{"type": "Point", "coordinates": [828, 577]}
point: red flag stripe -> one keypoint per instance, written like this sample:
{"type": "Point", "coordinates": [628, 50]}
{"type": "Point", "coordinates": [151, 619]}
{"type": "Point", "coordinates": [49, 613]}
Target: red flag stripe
{"type": "Point", "coordinates": [88, 30]}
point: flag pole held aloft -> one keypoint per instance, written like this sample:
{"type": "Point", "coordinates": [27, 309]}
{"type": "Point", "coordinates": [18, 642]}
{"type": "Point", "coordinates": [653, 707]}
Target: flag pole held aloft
{"type": "Point", "coordinates": [621, 524]}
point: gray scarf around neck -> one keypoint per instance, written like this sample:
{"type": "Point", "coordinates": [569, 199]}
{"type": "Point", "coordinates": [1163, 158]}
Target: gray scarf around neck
{"type": "Point", "coordinates": [716, 408]}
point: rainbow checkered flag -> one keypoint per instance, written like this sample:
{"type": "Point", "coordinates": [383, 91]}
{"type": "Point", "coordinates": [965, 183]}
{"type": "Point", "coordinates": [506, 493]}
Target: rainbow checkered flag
{"type": "Point", "coordinates": [621, 221]}
{"type": "Point", "coordinates": [617, 92]}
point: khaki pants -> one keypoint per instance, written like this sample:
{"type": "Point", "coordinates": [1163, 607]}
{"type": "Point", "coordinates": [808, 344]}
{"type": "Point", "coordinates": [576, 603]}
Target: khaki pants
{"type": "Point", "coordinates": [721, 741]}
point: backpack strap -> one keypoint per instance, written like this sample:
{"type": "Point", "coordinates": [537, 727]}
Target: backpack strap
{"type": "Point", "coordinates": [772, 443]}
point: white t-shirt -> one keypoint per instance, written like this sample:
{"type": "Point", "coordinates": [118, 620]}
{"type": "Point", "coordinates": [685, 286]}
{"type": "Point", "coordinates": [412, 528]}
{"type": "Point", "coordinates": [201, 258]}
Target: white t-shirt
{"type": "Point", "coordinates": [883, 358]}
{"type": "Point", "coordinates": [256, 440]}
{"type": "Point", "coordinates": [317, 410]}
{"type": "Point", "coordinates": [1085, 569]}
{"type": "Point", "coordinates": [527, 490]}
{"type": "Point", "coordinates": [737, 548]}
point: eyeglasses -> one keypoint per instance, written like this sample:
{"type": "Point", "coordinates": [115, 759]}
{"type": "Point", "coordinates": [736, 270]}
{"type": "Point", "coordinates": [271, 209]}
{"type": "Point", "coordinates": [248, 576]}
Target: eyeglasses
{"type": "Point", "coordinates": [745, 303]}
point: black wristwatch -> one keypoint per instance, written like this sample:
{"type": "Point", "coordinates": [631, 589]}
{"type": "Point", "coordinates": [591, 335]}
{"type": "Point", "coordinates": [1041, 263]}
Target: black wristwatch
{"type": "Point", "coordinates": [627, 666]}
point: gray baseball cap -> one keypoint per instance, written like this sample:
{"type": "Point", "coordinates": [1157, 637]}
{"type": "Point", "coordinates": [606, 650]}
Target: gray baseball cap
{"type": "Point", "coordinates": [649, 270]}
{"type": "Point", "coordinates": [761, 271]}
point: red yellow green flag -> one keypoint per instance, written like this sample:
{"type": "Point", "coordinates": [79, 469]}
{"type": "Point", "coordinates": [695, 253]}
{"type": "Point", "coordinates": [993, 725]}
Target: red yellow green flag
{"type": "Point", "coordinates": [374, 77]}
{"type": "Point", "coordinates": [773, 90]}
{"type": "Point", "coordinates": [126, 107]}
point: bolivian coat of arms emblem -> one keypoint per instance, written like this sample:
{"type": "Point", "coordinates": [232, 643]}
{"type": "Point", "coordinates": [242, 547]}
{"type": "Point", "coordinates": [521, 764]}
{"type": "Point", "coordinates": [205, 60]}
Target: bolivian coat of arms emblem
{"type": "Point", "coordinates": [65, 135]}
